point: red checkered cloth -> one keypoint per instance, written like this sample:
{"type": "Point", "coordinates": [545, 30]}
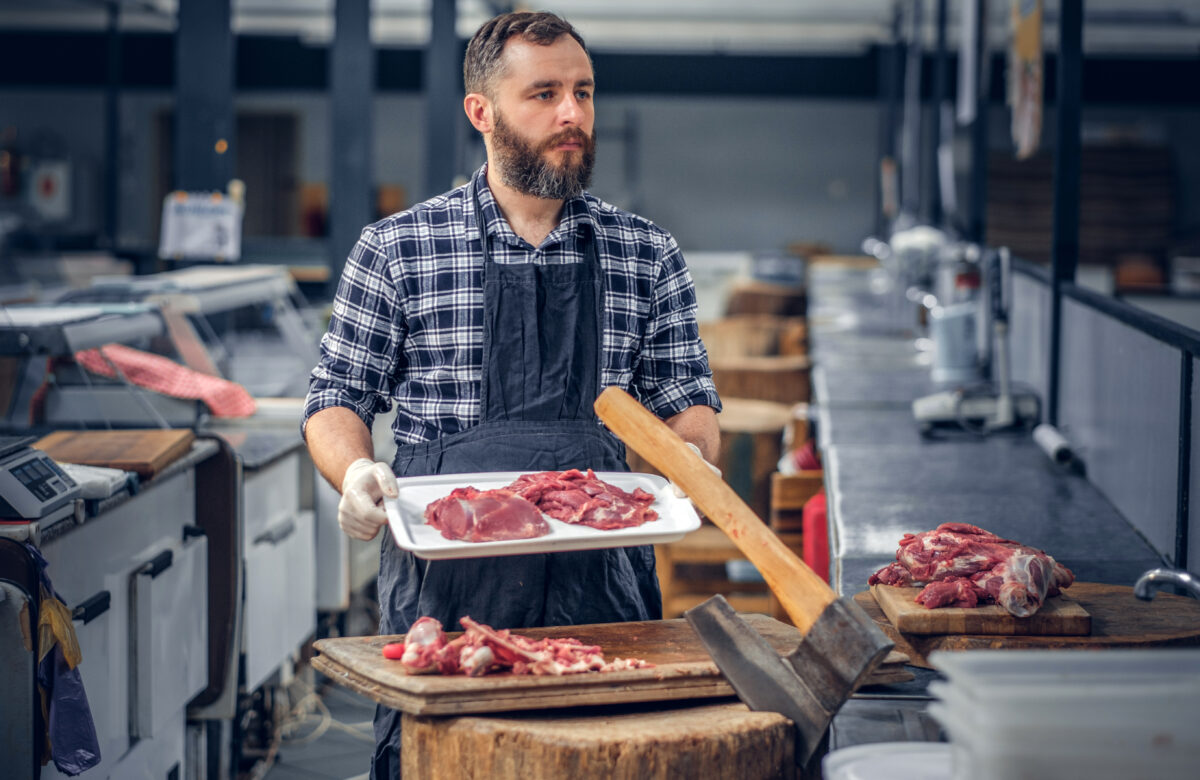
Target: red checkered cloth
{"type": "Point", "coordinates": [162, 375]}
{"type": "Point", "coordinates": [807, 458]}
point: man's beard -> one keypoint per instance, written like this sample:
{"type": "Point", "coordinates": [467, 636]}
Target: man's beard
{"type": "Point", "coordinates": [526, 168]}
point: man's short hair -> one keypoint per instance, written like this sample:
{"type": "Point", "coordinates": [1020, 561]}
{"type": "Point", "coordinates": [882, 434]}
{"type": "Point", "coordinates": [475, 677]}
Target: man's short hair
{"type": "Point", "coordinates": [484, 61]}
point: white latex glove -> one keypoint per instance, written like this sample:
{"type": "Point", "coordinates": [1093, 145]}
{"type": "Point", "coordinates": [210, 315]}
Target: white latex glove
{"type": "Point", "coordinates": [678, 491]}
{"type": "Point", "coordinates": [366, 484]}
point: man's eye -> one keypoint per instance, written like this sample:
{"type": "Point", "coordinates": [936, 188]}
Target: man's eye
{"type": "Point", "coordinates": [583, 94]}
{"type": "Point", "coordinates": [544, 95]}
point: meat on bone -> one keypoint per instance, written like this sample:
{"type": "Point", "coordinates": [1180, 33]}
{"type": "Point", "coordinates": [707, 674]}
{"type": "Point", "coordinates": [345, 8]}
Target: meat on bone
{"type": "Point", "coordinates": [961, 565]}
{"type": "Point", "coordinates": [1019, 582]}
{"type": "Point", "coordinates": [482, 649]}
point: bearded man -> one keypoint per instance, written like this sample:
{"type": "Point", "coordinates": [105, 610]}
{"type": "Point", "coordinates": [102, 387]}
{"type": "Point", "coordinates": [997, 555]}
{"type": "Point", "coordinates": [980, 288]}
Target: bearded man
{"type": "Point", "coordinates": [492, 316]}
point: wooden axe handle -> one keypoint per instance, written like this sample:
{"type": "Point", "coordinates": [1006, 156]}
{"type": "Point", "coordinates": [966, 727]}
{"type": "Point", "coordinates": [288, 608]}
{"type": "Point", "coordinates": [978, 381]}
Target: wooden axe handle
{"type": "Point", "coordinates": [803, 594]}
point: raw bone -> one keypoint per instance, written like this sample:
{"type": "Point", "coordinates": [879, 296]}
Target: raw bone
{"type": "Point", "coordinates": [482, 649]}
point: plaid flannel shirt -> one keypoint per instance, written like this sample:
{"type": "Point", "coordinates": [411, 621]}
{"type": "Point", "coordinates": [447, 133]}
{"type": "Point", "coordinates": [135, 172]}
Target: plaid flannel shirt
{"type": "Point", "coordinates": [407, 322]}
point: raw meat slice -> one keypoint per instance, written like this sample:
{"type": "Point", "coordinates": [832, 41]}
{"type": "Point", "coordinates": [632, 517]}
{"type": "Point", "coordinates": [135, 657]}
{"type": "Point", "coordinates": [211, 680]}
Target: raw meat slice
{"type": "Point", "coordinates": [950, 592]}
{"type": "Point", "coordinates": [472, 515]}
{"type": "Point", "coordinates": [482, 649]}
{"type": "Point", "coordinates": [892, 574]}
{"type": "Point", "coordinates": [958, 562]}
{"type": "Point", "coordinates": [574, 497]}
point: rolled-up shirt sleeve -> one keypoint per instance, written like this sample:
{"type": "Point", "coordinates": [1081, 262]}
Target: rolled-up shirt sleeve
{"type": "Point", "coordinates": [673, 372]}
{"type": "Point", "coordinates": [360, 350]}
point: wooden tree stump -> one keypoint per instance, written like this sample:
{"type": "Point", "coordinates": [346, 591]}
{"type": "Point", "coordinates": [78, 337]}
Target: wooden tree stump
{"type": "Point", "coordinates": [690, 741]}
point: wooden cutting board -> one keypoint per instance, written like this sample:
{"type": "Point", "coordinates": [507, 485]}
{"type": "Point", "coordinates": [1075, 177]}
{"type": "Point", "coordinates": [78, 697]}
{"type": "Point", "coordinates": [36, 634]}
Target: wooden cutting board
{"type": "Point", "coordinates": [145, 451]}
{"type": "Point", "coordinates": [1060, 616]}
{"type": "Point", "coordinates": [1119, 620]}
{"type": "Point", "coordinates": [683, 670]}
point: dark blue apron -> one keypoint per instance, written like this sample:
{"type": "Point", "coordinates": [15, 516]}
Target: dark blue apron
{"type": "Point", "coordinates": [541, 373]}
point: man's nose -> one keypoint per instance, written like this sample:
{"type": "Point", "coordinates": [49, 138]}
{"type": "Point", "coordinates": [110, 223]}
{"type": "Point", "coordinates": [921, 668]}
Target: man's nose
{"type": "Point", "coordinates": [570, 111]}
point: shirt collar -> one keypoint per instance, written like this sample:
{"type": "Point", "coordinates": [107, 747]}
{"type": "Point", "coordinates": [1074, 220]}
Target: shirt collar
{"type": "Point", "coordinates": [576, 213]}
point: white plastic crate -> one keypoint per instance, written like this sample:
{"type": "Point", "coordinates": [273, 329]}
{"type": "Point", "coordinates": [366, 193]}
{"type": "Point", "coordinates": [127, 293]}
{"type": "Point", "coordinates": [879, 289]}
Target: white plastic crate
{"type": "Point", "coordinates": [1020, 714]}
{"type": "Point", "coordinates": [1034, 754]}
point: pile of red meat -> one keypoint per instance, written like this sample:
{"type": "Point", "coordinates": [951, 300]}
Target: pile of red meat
{"type": "Point", "coordinates": [961, 565]}
{"type": "Point", "coordinates": [515, 511]}
{"type": "Point", "coordinates": [482, 649]}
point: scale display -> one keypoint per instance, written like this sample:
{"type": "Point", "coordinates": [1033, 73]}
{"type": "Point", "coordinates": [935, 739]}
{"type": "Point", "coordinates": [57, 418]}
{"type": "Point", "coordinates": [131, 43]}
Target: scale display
{"type": "Point", "coordinates": [32, 485]}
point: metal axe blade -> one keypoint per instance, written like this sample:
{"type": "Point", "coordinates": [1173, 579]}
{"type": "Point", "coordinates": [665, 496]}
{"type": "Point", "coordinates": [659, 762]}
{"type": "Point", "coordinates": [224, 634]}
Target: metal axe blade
{"type": "Point", "coordinates": [810, 684]}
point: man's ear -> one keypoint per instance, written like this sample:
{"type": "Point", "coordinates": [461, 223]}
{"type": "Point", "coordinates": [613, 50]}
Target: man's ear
{"type": "Point", "coordinates": [479, 111]}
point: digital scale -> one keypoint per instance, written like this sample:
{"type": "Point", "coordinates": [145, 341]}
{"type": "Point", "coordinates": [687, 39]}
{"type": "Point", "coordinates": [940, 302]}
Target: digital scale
{"type": "Point", "coordinates": [32, 486]}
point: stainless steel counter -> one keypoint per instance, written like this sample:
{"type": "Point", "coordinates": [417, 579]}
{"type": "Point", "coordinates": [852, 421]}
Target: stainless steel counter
{"type": "Point", "coordinates": [884, 479]}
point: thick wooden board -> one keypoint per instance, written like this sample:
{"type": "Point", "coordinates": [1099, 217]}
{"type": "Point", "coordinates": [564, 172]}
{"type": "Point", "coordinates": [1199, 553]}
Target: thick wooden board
{"type": "Point", "coordinates": [143, 451]}
{"type": "Point", "coordinates": [683, 670]}
{"type": "Point", "coordinates": [1059, 616]}
{"type": "Point", "coordinates": [1119, 620]}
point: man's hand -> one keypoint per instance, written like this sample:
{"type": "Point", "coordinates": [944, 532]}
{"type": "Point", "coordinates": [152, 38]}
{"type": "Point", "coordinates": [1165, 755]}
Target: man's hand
{"type": "Point", "coordinates": [678, 491]}
{"type": "Point", "coordinates": [366, 484]}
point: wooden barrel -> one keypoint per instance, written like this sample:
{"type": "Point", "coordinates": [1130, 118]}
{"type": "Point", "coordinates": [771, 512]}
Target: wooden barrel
{"type": "Point", "coordinates": [755, 297]}
{"type": "Point", "coordinates": [638, 743]}
{"type": "Point", "coordinates": [857, 262]}
{"type": "Point", "coordinates": [747, 335]}
{"type": "Point", "coordinates": [751, 444]}
{"type": "Point", "coordinates": [783, 379]}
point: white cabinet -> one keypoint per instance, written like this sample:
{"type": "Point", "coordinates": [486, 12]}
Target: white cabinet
{"type": "Point", "coordinates": [17, 695]}
{"type": "Point", "coordinates": [280, 595]}
{"type": "Point", "coordinates": [101, 669]}
{"type": "Point", "coordinates": [279, 543]}
{"type": "Point", "coordinates": [168, 634]}
{"type": "Point", "coordinates": [140, 572]}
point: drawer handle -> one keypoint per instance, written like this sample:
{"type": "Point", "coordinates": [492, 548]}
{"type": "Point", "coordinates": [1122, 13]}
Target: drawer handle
{"type": "Point", "coordinates": [158, 564]}
{"type": "Point", "coordinates": [92, 608]}
{"type": "Point", "coordinates": [277, 534]}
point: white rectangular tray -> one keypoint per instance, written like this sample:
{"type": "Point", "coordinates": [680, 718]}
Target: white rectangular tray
{"type": "Point", "coordinates": [406, 516]}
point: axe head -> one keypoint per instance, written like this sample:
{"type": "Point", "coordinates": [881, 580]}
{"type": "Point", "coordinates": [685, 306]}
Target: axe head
{"type": "Point", "coordinates": [808, 685]}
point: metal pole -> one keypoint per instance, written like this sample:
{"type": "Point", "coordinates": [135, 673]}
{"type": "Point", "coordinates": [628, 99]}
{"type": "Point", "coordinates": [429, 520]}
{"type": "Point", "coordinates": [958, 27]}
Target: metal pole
{"type": "Point", "coordinates": [891, 70]}
{"type": "Point", "coordinates": [112, 127]}
{"type": "Point", "coordinates": [443, 98]}
{"type": "Point", "coordinates": [1183, 472]}
{"type": "Point", "coordinates": [977, 208]}
{"type": "Point", "coordinates": [1065, 249]}
{"type": "Point", "coordinates": [351, 89]}
{"type": "Point", "coordinates": [204, 117]}
{"type": "Point", "coordinates": [940, 82]}
{"type": "Point", "coordinates": [910, 131]}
